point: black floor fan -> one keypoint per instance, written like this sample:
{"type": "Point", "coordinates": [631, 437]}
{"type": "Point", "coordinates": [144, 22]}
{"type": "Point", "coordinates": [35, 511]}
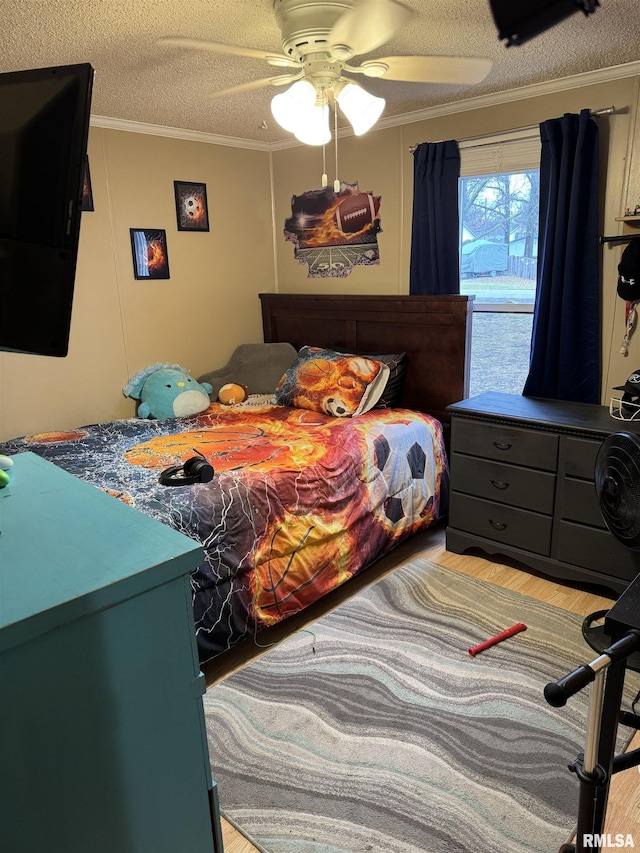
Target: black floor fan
{"type": "Point", "coordinates": [617, 638]}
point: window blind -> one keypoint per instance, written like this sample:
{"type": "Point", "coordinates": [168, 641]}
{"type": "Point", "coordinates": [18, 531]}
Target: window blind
{"type": "Point", "coordinates": [502, 152]}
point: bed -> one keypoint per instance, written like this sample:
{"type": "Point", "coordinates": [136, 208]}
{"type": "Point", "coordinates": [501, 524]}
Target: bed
{"type": "Point", "coordinates": [301, 500]}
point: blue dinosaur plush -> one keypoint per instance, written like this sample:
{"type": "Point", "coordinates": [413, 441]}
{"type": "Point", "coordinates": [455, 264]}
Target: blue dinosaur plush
{"type": "Point", "coordinates": [167, 391]}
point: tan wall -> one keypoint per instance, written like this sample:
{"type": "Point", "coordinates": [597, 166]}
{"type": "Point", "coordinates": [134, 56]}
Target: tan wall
{"type": "Point", "coordinates": [121, 325]}
{"type": "Point", "coordinates": [375, 161]}
{"type": "Point", "coordinates": [210, 303]}
{"type": "Point", "coordinates": [381, 162]}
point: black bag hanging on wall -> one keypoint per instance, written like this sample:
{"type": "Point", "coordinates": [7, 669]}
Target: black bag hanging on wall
{"type": "Point", "coordinates": [629, 272]}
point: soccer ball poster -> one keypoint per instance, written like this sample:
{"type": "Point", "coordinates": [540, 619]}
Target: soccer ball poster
{"type": "Point", "coordinates": [334, 231]}
{"type": "Point", "coordinates": [192, 212]}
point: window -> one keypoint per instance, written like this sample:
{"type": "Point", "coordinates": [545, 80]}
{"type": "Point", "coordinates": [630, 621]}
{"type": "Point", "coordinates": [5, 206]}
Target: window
{"type": "Point", "coordinates": [499, 202]}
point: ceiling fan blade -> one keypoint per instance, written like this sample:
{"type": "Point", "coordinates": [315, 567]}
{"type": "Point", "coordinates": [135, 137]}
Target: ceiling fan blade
{"type": "Point", "coordinates": [282, 80]}
{"type": "Point", "coordinates": [427, 69]}
{"type": "Point", "coordinates": [369, 24]}
{"type": "Point", "coordinates": [229, 49]}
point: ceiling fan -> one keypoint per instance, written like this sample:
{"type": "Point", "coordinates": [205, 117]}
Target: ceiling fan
{"type": "Point", "coordinates": [319, 40]}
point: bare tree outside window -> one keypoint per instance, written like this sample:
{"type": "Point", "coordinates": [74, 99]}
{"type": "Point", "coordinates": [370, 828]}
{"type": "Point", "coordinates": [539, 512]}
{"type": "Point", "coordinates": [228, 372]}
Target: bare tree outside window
{"type": "Point", "coordinates": [498, 265]}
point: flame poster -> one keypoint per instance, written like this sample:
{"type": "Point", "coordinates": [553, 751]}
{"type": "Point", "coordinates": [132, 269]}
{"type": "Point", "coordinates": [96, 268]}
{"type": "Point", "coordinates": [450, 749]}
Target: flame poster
{"type": "Point", "coordinates": [150, 256]}
{"type": "Point", "coordinates": [334, 231]}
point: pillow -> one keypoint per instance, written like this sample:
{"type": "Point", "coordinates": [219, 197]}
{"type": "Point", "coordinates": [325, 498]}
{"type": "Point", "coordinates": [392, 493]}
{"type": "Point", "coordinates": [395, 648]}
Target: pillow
{"type": "Point", "coordinates": [391, 397]}
{"type": "Point", "coordinates": [333, 383]}
{"type": "Point", "coordinates": [257, 366]}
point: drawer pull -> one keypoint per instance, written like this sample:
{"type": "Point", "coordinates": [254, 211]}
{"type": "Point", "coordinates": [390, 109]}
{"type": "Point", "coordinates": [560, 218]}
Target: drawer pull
{"type": "Point", "coordinates": [502, 445]}
{"type": "Point", "coordinates": [499, 484]}
{"type": "Point", "coordinates": [498, 525]}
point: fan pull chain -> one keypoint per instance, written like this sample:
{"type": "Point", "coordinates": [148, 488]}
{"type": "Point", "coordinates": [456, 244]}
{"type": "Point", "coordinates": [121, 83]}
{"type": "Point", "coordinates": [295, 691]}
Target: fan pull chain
{"type": "Point", "coordinates": [325, 177]}
{"type": "Point", "coordinates": [336, 183]}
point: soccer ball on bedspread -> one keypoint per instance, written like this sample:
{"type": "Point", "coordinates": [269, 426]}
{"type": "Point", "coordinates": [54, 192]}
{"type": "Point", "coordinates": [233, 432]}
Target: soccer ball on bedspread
{"type": "Point", "coordinates": [400, 476]}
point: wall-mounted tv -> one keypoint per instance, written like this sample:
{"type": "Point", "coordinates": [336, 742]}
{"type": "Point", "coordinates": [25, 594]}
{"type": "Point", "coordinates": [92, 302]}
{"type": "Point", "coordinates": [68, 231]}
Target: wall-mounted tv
{"type": "Point", "coordinates": [44, 126]}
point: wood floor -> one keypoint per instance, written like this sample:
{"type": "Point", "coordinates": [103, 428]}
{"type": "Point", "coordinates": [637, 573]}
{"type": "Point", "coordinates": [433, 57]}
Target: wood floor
{"type": "Point", "coordinates": [623, 814]}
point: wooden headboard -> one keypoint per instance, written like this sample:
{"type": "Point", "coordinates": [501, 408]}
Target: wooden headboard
{"type": "Point", "coordinates": [434, 331]}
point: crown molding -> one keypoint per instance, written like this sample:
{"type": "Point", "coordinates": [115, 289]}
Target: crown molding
{"type": "Point", "coordinates": [588, 78]}
{"type": "Point", "coordinates": [176, 133]}
{"type": "Point", "coordinates": [533, 90]}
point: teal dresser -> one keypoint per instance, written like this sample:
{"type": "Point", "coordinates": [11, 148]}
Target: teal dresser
{"type": "Point", "coordinates": [102, 738]}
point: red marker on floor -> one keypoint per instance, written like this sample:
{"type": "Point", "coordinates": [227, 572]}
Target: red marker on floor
{"type": "Point", "coordinates": [498, 638]}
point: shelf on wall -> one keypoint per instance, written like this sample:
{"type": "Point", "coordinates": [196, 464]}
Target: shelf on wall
{"type": "Point", "coordinates": [628, 218]}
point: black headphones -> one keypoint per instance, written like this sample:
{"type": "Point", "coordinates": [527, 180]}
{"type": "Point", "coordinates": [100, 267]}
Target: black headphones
{"type": "Point", "coordinates": [195, 470]}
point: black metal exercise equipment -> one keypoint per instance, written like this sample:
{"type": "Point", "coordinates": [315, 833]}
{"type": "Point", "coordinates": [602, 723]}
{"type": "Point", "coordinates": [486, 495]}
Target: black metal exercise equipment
{"type": "Point", "coordinates": [617, 476]}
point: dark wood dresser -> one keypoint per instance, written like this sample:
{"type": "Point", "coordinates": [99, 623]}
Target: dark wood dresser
{"type": "Point", "coordinates": [522, 486]}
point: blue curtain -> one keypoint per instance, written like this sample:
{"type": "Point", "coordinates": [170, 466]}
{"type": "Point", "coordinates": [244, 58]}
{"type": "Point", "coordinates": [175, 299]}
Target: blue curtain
{"type": "Point", "coordinates": [435, 230]}
{"type": "Point", "coordinates": [565, 343]}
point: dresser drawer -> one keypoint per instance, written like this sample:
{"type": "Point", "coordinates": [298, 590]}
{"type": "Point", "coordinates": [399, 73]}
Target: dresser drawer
{"type": "Point", "coordinates": [579, 502]}
{"type": "Point", "coordinates": [520, 487]}
{"type": "Point", "coordinates": [595, 549]}
{"type": "Point", "coordinates": [578, 457]}
{"type": "Point", "coordinates": [529, 531]}
{"type": "Point", "coordinates": [508, 444]}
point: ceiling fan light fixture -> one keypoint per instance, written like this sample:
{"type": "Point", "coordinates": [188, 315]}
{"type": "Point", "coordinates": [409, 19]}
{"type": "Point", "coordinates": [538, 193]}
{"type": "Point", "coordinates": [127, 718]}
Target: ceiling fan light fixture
{"type": "Point", "coordinates": [297, 111]}
{"type": "Point", "coordinates": [361, 108]}
{"type": "Point", "coordinates": [288, 106]}
{"type": "Point", "coordinates": [313, 126]}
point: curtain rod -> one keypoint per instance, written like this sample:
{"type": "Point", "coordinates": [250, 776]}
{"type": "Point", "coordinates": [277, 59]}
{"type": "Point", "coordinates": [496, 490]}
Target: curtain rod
{"type": "Point", "coordinates": [620, 238]}
{"type": "Point", "coordinates": [531, 127]}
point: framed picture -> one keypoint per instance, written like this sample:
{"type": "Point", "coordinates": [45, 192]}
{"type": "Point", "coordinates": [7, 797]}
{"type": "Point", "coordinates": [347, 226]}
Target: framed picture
{"type": "Point", "coordinates": [150, 255]}
{"type": "Point", "coordinates": [87, 192]}
{"type": "Point", "coordinates": [192, 212]}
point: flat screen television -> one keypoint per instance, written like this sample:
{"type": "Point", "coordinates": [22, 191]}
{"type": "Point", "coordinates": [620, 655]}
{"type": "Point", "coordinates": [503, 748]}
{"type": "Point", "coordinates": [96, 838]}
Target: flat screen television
{"type": "Point", "coordinates": [44, 127]}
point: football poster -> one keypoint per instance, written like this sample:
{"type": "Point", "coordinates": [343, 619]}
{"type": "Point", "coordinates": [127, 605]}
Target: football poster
{"type": "Point", "coordinates": [334, 231]}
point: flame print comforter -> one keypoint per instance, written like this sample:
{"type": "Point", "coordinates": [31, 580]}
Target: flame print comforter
{"type": "Point", "coordinates": [299, 502]}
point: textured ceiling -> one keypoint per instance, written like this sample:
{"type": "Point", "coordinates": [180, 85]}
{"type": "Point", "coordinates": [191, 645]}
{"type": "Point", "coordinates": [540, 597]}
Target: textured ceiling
{"type": "Point", "coordinates": [137, 80]}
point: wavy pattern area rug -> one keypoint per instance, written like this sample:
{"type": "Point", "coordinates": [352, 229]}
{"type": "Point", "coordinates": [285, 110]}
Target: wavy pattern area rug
{"type": "Point", "coordinates": [383, 735]}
